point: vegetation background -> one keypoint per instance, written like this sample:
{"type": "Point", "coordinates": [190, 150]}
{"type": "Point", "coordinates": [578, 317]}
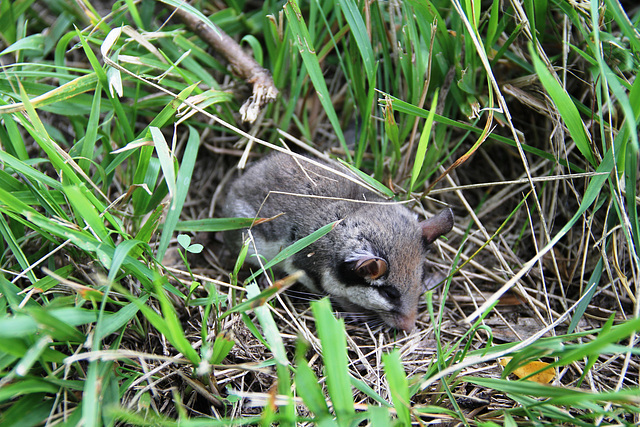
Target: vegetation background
{"type": "Point", "coordinates": [119, 128]}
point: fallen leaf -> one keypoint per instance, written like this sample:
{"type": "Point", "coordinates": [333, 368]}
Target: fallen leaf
{"type": "Point", "coordinates": [542, 377]}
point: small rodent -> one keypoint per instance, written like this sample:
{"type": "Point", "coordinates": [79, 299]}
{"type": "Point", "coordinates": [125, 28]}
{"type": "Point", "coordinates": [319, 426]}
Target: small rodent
{"type": "Point", "coordinates": [372, 261]}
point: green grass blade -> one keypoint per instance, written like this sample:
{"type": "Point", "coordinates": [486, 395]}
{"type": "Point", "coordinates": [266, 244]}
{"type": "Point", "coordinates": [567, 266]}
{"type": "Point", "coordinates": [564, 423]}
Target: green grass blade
{"type": "Point", "coordinates": [49, 282]}
{"type": "Point", "coordinates": [309, 388]}
{"type": "Point", "coordinates": [398, 385]}
{"type": "Point", "coordinates": [57, 328]}
{"type": "Point", "coordinates": [67, 91]}
{"type": "Point", "coordinates": [85, 211]}
{"type": "Point", "coordinates": [91, 395]}
{"type": "Point", "coordinates": [17, 251]}
{"type": "Point", "coordinates": [168, 324]}
{"type": "Point", "coordinates": [294, 248]}
{"type": "Point", "coordinates": [566, 107]}
{"type": "Point", "coordinates": [7, 22]}
{"type": "Point", "coordinates": [556, 395]}
{"type": "Point", "coordinates": [32, 356]}
{"type": "Point", "coordinates": [30, 172]}
{"type": "Point", "coordinates": [214, 224]}
{"type": "Point", "coordinates": [254, 301]}
{"type": "Point", "coordinates": [115, 321]}
{"type": "Point", "coordinates": [29, 410]}
{"type": "Point", "coordinates": [631, 174]}
{"type": "Point", "coordinates": [269, 327]}
{"type": "Point", "coordinates": [331, 333]}
{"type": "Point", "coordinates": [34, 42]}
{"type": "Point", "coordinates": [590, 196]}
{"type": "Point", "coordinates": [423, 144]}
{"type": "Point", "coordinates": [28, 386]}
{"type": "Point", "coordinates": [23, 324]}
{"type": "Point", "coordinates": [12, 139]}
{"type": "Point", "coordinates": [276, 345]}
{"type": "Point", "coordinates": [371, 393]}
{"type": "Point", "coordinates": [193, 11]}
{"type": "Point", "coordinates": [374, 183]}
{"type": "Point", "coordinates": [173, 326]}
{"type": "Point", "coordinates": [590, 290]}
{"type": "Point", "coordinates": [359, 32]}
{"type": "Point", "coordinates": [120, 254]}
{"type": "Point", "coordinates": [89, 140]}
{"type": "Point", "coordinates": [622, 19]}
{"type": "Point", "coordinates": [222, 345]}
{"type": "Point", "coordinates": [166, 159]}
{"type": "Point", "coordinates": [404, 107]}
{"type": "Point", "coordinates": [303, 42]}
{"type": "Point", "coordinates": [104, 81]}
{"type": "Point", "coordinates": [47, 144]}
{"type": "Point", "coordinates": [146, 173]}
{"type": "Point", "coordinates": [181, 190]}
{"type": "Point", "coordinates": [597, 346]}
{"type": "Point", "coordinates": [146, 232]}
{"type": "Point", "coordinates": [379, 416]}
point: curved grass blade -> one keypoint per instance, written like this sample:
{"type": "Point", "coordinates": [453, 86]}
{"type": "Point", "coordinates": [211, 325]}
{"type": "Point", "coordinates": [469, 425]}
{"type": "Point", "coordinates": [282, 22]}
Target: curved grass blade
{"type": "Point", "coordinates": [61, 93]}
{"type": "Point", "coordinates": [374, 183]}
{"type": "Point", "coordinates": [308, 386]}
{"type": "Point", "coordinates": [334, 354]}
{"type": "Point", "coordinates": [294, 248]}
{"type": "Point", "coordinates": [215, 224]}
{"type": "Point", "coordinates": [302, 39]}
{"type": "Point", "coordinates": [424, 142]}
{"type": "Point", "coordinates": [398, 385]}
{"type": "Point", "coordinates": [566, 107]}
{"type": "Point", "coordinates": [359, 32]}
{"type": "Point", "coordinates": [276, 345]}
{"type": "Point", "coordinates": [183, 180]}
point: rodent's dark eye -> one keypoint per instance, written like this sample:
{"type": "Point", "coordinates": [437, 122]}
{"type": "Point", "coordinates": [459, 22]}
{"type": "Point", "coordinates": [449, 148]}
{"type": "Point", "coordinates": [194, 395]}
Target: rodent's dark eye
{"type": "Point", "coordinates": [389, 292]}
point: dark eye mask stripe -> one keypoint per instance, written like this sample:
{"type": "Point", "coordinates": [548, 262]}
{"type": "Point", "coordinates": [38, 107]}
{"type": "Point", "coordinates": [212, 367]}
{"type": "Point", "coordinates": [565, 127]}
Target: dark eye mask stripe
{"type": "Point", "coordinates": [348, 277]}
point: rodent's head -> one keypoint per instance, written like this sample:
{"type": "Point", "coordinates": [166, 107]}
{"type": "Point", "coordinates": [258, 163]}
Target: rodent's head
{"type": "Point", "coordinates": [378, 262]}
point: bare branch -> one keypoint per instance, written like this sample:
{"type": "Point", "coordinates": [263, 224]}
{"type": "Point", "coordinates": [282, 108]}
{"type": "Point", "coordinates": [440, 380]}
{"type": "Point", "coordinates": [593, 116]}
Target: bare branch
{"type": "Point", "coordinates": [242, 64]}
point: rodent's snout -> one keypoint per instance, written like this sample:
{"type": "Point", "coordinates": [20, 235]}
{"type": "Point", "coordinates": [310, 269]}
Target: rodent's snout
{"type": "Point", "coordinates": [405, 322]}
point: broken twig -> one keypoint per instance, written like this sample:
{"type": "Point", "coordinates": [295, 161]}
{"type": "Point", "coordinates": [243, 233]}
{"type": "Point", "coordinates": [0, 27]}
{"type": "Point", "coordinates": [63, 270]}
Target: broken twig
{"type": "Point", "coordinates": [242, 64]}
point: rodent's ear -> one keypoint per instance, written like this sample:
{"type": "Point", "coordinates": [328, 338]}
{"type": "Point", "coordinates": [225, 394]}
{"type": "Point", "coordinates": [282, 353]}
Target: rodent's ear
{"type": "Point", "coordinates": [370, 267]}
{"type": "Point", "coordinates": [439, 224]}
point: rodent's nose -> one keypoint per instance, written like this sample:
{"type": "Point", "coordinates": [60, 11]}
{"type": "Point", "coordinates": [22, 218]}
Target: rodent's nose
{"type": "Point", "coordinates": [406, 322]}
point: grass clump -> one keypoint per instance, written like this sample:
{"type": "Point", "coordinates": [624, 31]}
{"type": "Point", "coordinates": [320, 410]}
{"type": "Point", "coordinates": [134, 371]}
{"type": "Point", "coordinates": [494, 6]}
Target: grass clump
{"type": "Point", "coordinates": [119, 129]}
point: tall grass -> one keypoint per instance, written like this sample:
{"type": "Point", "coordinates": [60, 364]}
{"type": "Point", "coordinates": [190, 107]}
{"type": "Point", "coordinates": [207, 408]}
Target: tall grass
{"type": "Point", "coordinates": [119, 129]}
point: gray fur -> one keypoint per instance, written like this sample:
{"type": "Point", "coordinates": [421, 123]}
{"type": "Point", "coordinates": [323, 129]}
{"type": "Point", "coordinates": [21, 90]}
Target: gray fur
{"type": "Point", "coordinates": [386, 231]}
